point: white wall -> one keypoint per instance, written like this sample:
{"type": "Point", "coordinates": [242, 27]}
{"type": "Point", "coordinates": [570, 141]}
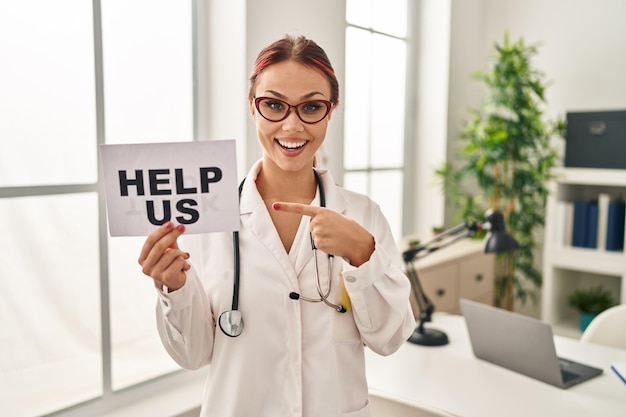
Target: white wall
{"type": "Point", "coordinates": [432, 33]}
{"type": "Point", "coordinates": [222, 73]}
{"type": "Point", "coordinates": [582, 50]}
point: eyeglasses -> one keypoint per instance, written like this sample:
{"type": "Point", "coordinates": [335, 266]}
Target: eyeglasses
{"type": "Point", "coordinates": [276, 110]}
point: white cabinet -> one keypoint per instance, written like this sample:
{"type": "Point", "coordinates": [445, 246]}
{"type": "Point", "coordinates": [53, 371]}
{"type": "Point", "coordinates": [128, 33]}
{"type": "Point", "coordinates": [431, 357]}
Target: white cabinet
{"type": "Point", "coordinates": [566, 267]}
{"type": "Point", "coordinates": [461, 270]}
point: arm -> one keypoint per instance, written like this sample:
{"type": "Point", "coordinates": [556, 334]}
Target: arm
{"type": "Point", "coordinates": [185, 325]}
{"type": "Point", "coordinates": [379, 293]}
{"type": "Point", "coordinates": [182, 308]}
{"type": "Point", "coordinates": [374, 279]}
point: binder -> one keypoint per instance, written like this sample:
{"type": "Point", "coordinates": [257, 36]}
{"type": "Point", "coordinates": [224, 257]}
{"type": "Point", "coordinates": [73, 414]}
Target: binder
{"type": "Point", "coordinates": [591, 240]}
{"type": "Point", "coordinates": [615, 226]}
{"type": "Point", "coordinates": [579, 230]}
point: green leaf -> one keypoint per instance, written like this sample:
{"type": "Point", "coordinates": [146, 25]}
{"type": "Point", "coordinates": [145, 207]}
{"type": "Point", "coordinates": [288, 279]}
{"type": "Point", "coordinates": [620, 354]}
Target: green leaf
{"type": "Point", "coordinates": [506, 153]}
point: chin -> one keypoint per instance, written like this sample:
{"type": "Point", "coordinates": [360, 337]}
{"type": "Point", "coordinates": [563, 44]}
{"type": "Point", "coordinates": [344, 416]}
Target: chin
{"type": "Point", "coordinates": [293, 164]}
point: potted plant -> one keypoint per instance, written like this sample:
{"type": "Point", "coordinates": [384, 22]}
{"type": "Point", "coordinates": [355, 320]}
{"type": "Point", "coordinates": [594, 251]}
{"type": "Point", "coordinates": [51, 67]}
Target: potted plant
{"type": "Point", "coordinates": [590, 302]}
{"type": "Point", "coordinates": [507, 154]}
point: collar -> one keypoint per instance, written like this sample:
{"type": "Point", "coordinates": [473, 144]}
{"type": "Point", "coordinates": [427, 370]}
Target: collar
{"type": "Point", "coordinates": [251, 199]}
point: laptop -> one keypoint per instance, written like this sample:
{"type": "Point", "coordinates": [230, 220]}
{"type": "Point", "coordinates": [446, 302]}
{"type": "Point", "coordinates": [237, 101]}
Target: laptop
{"type": "Point", "coordinates": [522, 344]}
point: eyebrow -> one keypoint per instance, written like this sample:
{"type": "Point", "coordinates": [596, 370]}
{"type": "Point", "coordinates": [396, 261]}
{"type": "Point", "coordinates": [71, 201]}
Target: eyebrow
{"type": "Point", "coordinates": [304, 97]}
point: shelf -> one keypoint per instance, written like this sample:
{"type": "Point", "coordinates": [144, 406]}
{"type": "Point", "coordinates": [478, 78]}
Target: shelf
{"type": "Point", "coordinates": [591, 176]}
{"type": "Point", "coordinates": [588, 260]}
{"type": "Point", "coordinates": [565, 267]}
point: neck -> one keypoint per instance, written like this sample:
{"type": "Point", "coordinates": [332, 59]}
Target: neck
{"type": "Point", "coordinates": [279, 185]}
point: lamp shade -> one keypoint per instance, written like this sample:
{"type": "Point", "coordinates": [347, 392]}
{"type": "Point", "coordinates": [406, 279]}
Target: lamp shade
{"type": "Point", "coordinates": [499, 240]}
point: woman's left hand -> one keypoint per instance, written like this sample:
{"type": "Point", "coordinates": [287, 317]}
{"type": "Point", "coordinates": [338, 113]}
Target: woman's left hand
{"type": "Point", "coordinates": [334, 233]}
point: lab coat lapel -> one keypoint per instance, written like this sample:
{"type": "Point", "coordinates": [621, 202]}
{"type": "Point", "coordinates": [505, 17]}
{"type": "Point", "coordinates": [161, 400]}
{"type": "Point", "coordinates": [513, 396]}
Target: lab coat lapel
{"type": "Point", "coordinates": [334, 201]}
{"type": "Point", "coordinates": [256, 219]}
{"type": "Point", "coordinates": [303, 245]}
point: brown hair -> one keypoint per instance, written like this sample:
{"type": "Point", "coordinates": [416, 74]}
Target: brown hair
{"type": "Point", "coordinates": [298, 49]}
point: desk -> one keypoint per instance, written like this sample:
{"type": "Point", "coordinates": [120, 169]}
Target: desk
{"type": "Point", "coordinates": [451, 378]}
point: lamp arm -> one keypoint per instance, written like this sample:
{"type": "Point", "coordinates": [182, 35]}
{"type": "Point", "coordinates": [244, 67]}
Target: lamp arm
{"type": "Point", "coordinates": [499, 241]}
{"type": "Point", "coordinates": [424, 303]}
{"type": "Point", "coordinates": [470, 229]}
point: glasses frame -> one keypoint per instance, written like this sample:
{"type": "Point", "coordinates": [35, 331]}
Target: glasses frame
{"type": "Point", "coordinates": [258, 100]}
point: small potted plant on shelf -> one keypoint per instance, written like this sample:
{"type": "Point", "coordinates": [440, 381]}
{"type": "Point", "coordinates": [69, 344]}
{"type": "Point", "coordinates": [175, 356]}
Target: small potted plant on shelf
{"type": "Point", "coordinates": [590, 302]}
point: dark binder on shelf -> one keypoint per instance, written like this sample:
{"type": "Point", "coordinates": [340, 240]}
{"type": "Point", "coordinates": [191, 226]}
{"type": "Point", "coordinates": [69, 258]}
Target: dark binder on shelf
{"type": "Point", "coordinates": [579, 230]}
{"type": "Point", "coordinates": [615, 226]}
{"type": "Point", "coordinates": [592, 226]}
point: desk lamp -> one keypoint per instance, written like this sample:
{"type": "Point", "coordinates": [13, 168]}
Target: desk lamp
{"type": "Point", "coordinates": [498, 241]}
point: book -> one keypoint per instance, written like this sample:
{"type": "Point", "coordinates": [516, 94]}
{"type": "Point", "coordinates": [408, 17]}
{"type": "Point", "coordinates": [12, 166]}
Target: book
{"type": "Point", "coordinates": [592, 225]}
{"type": "Point", "coordinates": [620, 370]}
{"type": "Point", "coordinates": [615, 225]}
{"type": "Point", "coordinates": [565, 212]}
{"type": "Point", "coordinates": [603, 218]}
{"type": "Point", "coordinates": [579, 225]}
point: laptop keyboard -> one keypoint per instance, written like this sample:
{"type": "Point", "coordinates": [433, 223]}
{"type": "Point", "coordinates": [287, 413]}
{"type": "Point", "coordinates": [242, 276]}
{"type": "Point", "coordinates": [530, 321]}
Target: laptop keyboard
{"type": "Point", "coordinates": [568, 376]}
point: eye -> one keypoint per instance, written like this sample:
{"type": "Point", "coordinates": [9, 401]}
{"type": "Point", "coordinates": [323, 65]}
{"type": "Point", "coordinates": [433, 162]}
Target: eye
{"type": "Point", "coordinates": [312, 107]}
{"type": "Point", "coordinates": [274, 105]}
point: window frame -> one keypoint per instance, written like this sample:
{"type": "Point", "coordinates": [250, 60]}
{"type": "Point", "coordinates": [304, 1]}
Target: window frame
{"type": "Point", "coordinates": [407, 170]}
{"type": "Point", "coordinates": [188, 383]}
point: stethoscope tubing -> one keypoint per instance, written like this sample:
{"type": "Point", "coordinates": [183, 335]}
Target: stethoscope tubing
{"type": "Point", "coordinates": [231, 322]}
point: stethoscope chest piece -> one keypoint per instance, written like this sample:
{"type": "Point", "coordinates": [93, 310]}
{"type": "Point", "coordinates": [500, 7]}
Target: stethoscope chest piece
{"type": "Point", "coordinates": [231, 323]}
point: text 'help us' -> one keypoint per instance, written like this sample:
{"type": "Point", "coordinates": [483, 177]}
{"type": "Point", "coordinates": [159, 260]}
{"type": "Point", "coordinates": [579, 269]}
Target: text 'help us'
{"type": "Point", "coordinates": [190, 183]}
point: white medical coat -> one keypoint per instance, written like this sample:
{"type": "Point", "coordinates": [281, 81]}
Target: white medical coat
{"type": "Point", "coordinates": [294, 358]}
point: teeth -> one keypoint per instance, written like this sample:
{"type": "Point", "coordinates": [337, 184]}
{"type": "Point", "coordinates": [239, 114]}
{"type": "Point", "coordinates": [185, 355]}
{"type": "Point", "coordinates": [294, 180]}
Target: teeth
{"type": "Point", "coordinates": [292, 145]}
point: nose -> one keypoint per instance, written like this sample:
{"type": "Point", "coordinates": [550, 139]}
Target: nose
{"type": "Point", "coordinates": [292, 123]}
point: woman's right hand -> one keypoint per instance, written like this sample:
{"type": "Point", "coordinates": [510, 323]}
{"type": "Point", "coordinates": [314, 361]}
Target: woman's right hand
{"type": "Point", "coordinates": [162, 260]}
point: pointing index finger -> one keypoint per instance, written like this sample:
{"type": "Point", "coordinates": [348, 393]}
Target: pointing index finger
{"type": "Point", "coordinates": [296, 208]}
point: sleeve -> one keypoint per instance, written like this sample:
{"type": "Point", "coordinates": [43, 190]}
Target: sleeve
{"type": "Point", "coordinates": [185, 324]}
{"type": "Point", "coordinates": [379, 292]}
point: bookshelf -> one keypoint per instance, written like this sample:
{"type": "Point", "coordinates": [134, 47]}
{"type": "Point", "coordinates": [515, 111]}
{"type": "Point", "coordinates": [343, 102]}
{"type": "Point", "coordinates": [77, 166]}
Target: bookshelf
{"type": "Point", "coordinates": [567, 267]}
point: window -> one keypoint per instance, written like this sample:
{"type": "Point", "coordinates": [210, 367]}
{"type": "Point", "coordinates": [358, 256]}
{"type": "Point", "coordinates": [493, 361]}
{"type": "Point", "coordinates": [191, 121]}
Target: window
{"type": "Point", "coordinates": [77, 325]}
{"type": "Point", "coordinates": [375, 96]}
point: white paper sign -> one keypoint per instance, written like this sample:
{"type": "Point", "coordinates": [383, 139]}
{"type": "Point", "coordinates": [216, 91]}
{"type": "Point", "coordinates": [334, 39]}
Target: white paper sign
{"type": "Point", "coordinates": [190, 183]}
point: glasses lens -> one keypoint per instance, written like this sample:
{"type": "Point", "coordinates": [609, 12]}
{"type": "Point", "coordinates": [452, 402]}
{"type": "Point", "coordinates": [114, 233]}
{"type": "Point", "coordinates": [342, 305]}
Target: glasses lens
{"type": "Point", "coordinates": [272, 109]}
{"type": "Point", "coordinates": [276, 110]}
{"type": "Point", "coordinates": [312, 111]}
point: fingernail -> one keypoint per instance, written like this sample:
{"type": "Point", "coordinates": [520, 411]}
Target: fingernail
{"type": "Point", "coordinates": [180, 228]}
{"type": "Point", "coordinates": [276, 206]}
{"type": "Point", "coordinates": [187, 255]}
{"type": "Point", "coordinates": [169, 225]}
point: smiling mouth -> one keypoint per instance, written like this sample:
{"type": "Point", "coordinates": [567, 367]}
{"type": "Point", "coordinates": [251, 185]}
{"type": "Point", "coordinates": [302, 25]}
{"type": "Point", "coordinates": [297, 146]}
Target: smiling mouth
{"type": "Point", "coordinates": [291, 146]}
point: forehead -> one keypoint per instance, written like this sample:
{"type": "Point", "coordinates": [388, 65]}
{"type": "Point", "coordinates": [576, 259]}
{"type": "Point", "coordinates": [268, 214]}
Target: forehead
{"type": "Point", "coordinates": [293, 80]}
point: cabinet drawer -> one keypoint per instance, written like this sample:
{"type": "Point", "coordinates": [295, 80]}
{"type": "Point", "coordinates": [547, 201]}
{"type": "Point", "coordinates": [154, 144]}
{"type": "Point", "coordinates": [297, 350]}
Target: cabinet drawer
{"type": "Point", "coordinates": [476, 276]}
{"type": "Point", "coordinates": [440, 285]}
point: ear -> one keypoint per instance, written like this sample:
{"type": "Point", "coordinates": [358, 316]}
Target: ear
{"type": "Point", "coordinates": [330, 113]}
{"type": "Point", "coordinates": [251, 106]}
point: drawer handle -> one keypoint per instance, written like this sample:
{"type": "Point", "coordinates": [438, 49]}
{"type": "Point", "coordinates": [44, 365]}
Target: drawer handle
{"type": "Point", "coordinates": [478, 277]}
{"type": "Point", "coordinates": [441, 292]}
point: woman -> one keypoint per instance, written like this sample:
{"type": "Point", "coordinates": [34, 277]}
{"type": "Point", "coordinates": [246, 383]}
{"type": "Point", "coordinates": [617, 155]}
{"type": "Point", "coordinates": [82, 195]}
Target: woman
{"type": "Point", "coordinates": [295, 355]}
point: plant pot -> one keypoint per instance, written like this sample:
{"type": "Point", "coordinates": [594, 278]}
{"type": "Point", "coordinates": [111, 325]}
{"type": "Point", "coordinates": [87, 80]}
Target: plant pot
{"type": "Point", "coordinates": [585, 319]}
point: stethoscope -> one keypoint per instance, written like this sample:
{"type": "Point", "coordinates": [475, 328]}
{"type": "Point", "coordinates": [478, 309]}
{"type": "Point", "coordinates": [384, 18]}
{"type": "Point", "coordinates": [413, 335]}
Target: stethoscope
{"type": "Point", "coordinates": [231, 322]}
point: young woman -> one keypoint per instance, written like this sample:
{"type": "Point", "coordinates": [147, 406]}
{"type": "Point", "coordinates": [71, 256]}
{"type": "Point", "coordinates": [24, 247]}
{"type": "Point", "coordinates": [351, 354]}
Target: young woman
{"type": "Point", "coordinates": [320, 274]}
